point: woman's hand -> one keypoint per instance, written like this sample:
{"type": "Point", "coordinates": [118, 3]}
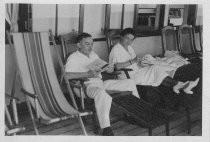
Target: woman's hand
{"type": "Point", "coordinates": [92, 74]}
{"type": "Point", "coordinates": [135, 60]}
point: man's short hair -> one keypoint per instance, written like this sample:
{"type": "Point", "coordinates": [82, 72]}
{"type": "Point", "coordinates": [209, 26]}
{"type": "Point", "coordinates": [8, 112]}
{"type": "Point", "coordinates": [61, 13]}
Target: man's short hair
{"type": "Point", "coordinates": [127, 31]}
{"type": "Point", "coordinates": [81, 36]}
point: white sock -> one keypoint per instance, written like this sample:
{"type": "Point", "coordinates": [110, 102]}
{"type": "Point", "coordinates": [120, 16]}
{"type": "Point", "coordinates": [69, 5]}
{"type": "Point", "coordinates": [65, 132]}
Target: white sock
{"type": "Point", "coordinates": [179, 86]}
{"type": "Point", "coordinates": [192, 84]}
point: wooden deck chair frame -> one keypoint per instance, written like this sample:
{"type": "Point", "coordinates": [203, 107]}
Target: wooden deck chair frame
{"type": "Point", "coordinates": [31, 90]}
{"type": "Point", "coordinates": [169, 39]}
{"type": "Point", "coordinates": [201, 37]}
{"type": "Point", "coordinates": [111, 38]}
{"type": "Point", "coordinates": [13, 99]}
{"type": "Point", "coordinates": [188, 31]}
{"type": "Point", "coordinates": [11, 128]}
{"type": "Point", "coordinates": [65, 40]}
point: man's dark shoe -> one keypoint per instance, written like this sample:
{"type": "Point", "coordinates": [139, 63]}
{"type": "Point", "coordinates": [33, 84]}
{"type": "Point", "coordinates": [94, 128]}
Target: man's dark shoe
{"type": "Point", "coordinates": [107, 132]}
{"type": "Point", "coordinates": [129, 119]}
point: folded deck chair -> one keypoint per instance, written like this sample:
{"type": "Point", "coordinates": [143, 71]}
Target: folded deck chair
{"type": "Point", "coordinates": [187, 42]}
{"type": "Point", "coordinates": [169, 39]}
{"type": "Point", "coordinates": [39, 81]}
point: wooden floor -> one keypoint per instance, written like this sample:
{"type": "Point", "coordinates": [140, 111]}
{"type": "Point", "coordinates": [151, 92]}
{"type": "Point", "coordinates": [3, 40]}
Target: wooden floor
{"type": "Point", "coordinates": [119, 126]}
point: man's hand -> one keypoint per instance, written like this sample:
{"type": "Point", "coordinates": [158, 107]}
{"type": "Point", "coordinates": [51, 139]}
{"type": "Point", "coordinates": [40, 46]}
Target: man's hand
{"type": "Point", "coordinates": [92, 74]}
{"type": "Point", "coordinates": [110, 68]}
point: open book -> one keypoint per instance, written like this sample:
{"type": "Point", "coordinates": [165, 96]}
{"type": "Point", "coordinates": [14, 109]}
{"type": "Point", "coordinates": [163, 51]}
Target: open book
{"type": "Point", "coordinates": [99, 65]}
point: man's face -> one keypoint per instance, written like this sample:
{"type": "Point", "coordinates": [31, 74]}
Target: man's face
{"type": "Point", "coordinates": [127, 39]}
{"type": "Point", "coordinates": [86, 45]}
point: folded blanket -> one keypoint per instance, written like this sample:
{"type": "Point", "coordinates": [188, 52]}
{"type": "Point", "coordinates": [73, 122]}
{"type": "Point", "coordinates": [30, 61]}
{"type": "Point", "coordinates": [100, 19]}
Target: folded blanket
{"type": "Point", "coordinates": [171, 59]}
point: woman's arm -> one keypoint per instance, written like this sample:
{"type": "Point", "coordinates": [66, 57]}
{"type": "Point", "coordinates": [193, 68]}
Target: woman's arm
{"type": "Point", "coordinates": [126, 64]}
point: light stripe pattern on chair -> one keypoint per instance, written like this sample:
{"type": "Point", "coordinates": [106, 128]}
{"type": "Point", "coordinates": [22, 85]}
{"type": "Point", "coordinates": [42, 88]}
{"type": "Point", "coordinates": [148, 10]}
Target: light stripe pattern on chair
{"type": "Point", "coordinates": [38, 75]}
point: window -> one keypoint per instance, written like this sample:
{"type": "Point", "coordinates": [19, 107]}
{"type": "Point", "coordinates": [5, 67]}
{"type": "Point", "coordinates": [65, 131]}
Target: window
{"type": "Point", "coordinates": [148, 19]}
{"type": "Point", "coordinates": [176, 14]}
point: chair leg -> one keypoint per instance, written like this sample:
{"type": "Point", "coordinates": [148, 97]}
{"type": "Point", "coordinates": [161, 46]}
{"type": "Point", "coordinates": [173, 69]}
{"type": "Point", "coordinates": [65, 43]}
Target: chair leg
{"type": "Point", "coordinates": [188, 121]}
{"type": "Point", "coordinates": [95, 122]}
{"type": "Point", "coordinates": [167, 128]}
{"type": "Point", "coordinates": [150, 131]}
{"type": "Point", "coordinates": [14, 108]}
{"type": "Point", "coordinates": [32, 116]}
{"type": "Point", "coordinates": [82, 125]}
{"type": "Point", "coordinates": [8, 116]}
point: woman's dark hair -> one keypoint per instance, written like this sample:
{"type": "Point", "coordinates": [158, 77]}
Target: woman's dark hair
{"type": "Point", "coordinates": [127, 31]}
{"type": "Point", "coordinates": [81, 36]}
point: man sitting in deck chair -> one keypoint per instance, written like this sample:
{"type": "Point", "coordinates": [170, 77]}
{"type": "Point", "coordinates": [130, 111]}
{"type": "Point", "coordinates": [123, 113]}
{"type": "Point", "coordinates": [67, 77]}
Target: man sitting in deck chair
{"type": "Point", "coordinates": [123, 56]}
{"type": "Point", "coordinates": [77, 67]}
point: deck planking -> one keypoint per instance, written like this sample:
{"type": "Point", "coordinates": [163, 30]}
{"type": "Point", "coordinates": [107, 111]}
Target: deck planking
{"type": "Point", "coordinates": [119, 126]}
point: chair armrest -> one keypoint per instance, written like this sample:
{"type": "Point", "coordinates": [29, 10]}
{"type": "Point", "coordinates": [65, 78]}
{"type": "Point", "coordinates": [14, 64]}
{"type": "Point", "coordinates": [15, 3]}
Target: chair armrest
{"type": "Point", "coordinates": [83, 79]}
{"type": "Point", "coordinates": [73, 82]}
{"type": "Point", "coordinates": [113, 73]}
{"type": "Point", "coordinates": [114, 93]}
{"type": "Point", "coordinates": [126, 70]}
{"type": "Point", "coordinates": [29, 94]}
{"type": "Point", "coordinates": [12, 97]}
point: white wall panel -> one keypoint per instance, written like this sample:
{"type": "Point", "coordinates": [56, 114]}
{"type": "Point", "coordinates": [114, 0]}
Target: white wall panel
{"type": "Point", "coordinates": [94, 18]}
{"type": "Point", "coordinates": [115, 18]}
{"type": "Point", "coordinates": [68, 18]}
{"type": "Point", "coordinates": [43, 17]}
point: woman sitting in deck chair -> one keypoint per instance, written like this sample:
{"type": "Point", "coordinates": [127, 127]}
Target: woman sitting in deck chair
{"type": "Point", "coordinates": [123, 56]}
{"type": "Point", "coordinates": [77, 66]}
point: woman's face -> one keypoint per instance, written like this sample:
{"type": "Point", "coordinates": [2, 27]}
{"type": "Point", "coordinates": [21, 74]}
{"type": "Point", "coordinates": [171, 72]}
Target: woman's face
{"type": "Point", "coordinates": [127, 39]}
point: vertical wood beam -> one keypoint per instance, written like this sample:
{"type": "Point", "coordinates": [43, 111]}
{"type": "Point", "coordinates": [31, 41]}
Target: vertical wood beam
{"type": "Point", "coordinates": [56, 20]}
{"type": "Point", "coordinates": [135, 18]}
{"type": "Point", "coordinates": [81, 18]}
{"type": "Point", "coordinates": [157, 17]}
{"type": "Point", "coordinates": [185, 15]}
{"type": "Point", "coordinates": [166, 13]}
{"type": "Point", "coordinates": [107, 17]}
{"type": "Point", "coordinates": [122, 16]}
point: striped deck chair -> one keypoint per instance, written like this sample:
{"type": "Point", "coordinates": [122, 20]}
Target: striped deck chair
{"type": "Point", "coordinates": [39, 81]}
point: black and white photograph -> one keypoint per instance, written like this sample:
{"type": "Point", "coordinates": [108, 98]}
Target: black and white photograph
{"type": "Point", "coordinates": [123, 71]}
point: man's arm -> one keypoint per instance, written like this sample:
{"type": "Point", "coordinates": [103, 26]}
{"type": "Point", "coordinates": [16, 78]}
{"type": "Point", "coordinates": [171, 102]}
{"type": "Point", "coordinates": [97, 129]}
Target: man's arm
{"type": "Point", "coordinates": [77, 75]}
